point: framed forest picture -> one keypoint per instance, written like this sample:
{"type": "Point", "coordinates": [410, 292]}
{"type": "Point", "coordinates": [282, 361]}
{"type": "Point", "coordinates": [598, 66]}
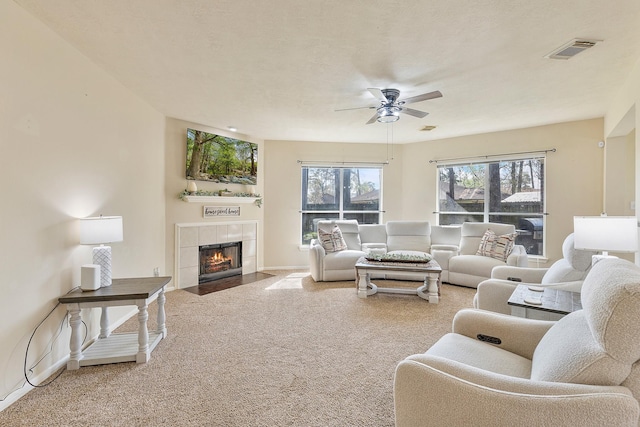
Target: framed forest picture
{"type": "Point", "coordinates": [218, 158]}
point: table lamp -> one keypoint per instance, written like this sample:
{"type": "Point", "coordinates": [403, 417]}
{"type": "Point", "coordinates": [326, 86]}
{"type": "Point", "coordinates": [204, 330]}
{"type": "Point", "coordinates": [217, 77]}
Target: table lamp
{"type": "Point", "coordinates": [98, 231]}
{"type": "Point", "coordinates": [606, 233]}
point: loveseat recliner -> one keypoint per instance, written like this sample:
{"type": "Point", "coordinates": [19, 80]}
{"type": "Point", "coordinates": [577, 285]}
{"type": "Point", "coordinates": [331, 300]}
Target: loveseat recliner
{"type": "Point", "coordinates": [468, 268]}
{"type": "Point", "coordinates": [583, 370]}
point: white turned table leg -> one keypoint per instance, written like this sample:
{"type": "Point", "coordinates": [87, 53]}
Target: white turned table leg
{"type": "Point", "coordinates": [162, 328]}
{"type": "Point", "coordinates": [362, 284]}
{"type": "Point", "coordinates": [75, 343]}
{"type": "Point", "coordinates": [143, 333]}
{"type": "Point", "coordinates": [365, 287]}
{"type": "Point", "coordinates": [431, 281]}
{"type": "Point", "coordinates": [104, 323]}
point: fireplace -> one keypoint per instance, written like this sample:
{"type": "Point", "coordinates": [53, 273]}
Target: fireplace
{"type": "Point", "coordinates": [220, 260]}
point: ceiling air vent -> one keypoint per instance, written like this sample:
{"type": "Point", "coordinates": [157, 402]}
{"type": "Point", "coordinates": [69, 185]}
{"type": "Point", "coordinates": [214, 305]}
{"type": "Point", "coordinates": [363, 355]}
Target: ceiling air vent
{"type": "Point", "coordinates": [571, 49]}
{"type": "Point", "coordinates": [428, 128]}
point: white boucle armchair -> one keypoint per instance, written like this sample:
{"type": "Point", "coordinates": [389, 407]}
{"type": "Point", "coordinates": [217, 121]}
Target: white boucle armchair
{"type": "Point", "coordinates": [500, 370]}
{"type": "Point", "coordinates": [568, 273]}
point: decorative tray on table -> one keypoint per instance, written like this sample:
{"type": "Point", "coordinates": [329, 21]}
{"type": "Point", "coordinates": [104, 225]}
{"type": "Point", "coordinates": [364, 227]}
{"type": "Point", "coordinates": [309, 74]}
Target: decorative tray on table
{"type": "Point", "coordinates": [409, 258]}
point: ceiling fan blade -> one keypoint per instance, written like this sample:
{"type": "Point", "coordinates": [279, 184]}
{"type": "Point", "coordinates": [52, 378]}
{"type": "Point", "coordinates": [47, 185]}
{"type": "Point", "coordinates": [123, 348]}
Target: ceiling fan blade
{"type": "Point", "coordinates": [372, 119]}
{"type": "Point", "coordinates": [423, 97]}
{"type": "Point", "coordinates": [354, 108]}
{"type": "Point", "coordinates": [378, 94]}
{"type": "Point", "coordinates": [414, 113]}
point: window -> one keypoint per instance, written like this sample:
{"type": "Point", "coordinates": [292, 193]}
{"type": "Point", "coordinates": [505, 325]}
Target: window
{"type": "Point", "coordinates": [339, 193]}
{"type": "Point", "coordinates": [507, 191]}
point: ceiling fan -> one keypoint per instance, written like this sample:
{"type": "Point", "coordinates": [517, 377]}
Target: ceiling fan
{"type": "Point", "coordinates": [390, 106]}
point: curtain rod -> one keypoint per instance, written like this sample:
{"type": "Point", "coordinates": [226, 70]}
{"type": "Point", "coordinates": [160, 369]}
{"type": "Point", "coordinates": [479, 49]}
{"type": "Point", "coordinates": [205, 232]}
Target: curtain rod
{"type": "Point", "coordinates": [551, 150]}
{"type": "Point", "coordinates": [328, 162]}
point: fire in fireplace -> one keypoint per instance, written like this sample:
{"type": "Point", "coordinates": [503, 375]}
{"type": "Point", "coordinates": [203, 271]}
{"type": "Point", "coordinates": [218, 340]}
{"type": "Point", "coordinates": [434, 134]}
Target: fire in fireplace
{"type": "Point", "coordinates": [220, 260]}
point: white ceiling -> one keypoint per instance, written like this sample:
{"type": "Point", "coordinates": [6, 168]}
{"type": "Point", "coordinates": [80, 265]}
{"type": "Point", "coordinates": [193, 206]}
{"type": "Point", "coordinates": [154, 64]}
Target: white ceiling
{"type": "Point", "coordinates": [278, 69]}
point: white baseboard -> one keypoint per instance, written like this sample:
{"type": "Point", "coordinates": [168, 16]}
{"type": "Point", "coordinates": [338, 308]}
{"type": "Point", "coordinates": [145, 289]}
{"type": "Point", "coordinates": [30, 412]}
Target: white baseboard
{"type": "Point", "coordinates": [26, 388]}
{"type": "Point", "coordinates": [14, 396]}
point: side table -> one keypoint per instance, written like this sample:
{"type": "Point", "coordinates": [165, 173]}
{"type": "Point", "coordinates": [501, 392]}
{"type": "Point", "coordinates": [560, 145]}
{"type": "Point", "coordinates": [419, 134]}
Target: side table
{"type": "Point", "coordinates": [121, 347]}
{"type": "Point", "coordinates": [554, 303]}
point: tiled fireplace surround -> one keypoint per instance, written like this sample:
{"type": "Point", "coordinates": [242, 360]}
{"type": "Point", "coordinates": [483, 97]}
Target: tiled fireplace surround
{"type": "Point", "coordinates": [189, 237]}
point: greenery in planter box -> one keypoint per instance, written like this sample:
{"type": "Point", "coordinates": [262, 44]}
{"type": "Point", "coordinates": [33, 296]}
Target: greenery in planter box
{"type": "Point", "coordinates": [220, 193]}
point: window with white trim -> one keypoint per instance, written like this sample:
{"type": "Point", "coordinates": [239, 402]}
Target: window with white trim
{"type": "Point", "coordinates": [507, 191]}
{"type": "Point", "coordinates": [339, 193]}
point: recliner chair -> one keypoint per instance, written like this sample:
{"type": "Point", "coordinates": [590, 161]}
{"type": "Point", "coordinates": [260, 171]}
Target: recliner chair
{"type": "Point", "coordinates": [567, 273]}
{"type": "Point", "coordinates": [499, 370]}
{"type": "Point", "coordinates": [469, 269]}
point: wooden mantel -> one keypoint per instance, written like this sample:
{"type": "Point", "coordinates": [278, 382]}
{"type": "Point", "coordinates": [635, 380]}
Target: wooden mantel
{"type": "Point", "coordinates": [219, 199]}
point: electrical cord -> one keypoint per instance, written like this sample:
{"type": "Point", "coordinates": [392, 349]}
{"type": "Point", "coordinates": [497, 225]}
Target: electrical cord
{"type": "Point", "coordinates": [26, 377]}
{"type": "Point", "coordinates": [86, 332]}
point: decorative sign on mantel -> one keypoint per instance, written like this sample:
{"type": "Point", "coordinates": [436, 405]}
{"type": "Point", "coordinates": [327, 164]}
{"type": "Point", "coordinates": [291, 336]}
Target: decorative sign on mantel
{"type": "Point", "coordinates": [216, 211]}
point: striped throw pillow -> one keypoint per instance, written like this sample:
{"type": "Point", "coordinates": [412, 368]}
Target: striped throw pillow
{"type": "Point", "coordinates": [332, 241]}
{"type": "Point", "coordinates": [494, 246]}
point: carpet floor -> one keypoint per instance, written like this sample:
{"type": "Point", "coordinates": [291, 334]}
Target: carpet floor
{"type": "Point", "coordinates": [283, 351]}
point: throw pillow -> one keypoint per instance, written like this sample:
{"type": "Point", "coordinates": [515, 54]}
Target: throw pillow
{"type": "Point", "coordinates": [503, 246]}
{"type": "Point", "coordinates": [498, 247]}
{"type": "Point", "coordinates": [332, 241]}
{"type": "Point", "coordinates": [486, 244]}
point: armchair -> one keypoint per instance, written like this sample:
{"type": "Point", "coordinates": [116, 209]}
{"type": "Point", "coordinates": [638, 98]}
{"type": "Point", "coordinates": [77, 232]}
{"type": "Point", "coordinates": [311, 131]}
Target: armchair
{"type": "Point", "coordinates": [581, 370]}
{"type": "Point", "coordinates": [469, 269]}
{"type": "Point", "coordinates": [339, 265]}
{"type": "Point", "coordinates": [567, 273]}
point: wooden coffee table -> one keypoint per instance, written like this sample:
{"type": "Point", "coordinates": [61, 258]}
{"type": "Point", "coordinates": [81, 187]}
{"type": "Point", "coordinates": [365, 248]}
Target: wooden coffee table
{"type": "Point", "coordinates": [429, 290]}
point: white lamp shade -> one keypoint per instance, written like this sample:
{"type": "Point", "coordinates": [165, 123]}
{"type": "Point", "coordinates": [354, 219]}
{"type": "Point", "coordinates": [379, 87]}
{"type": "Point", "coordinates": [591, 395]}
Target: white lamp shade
{"type": "Point", "coordinates": [102, 229]}
{"type": "Point", "coordinates": [606, 233]}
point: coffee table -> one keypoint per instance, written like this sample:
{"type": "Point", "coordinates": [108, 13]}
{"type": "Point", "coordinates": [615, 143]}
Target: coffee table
{"type": "Point", "coordinates": [429, 290]}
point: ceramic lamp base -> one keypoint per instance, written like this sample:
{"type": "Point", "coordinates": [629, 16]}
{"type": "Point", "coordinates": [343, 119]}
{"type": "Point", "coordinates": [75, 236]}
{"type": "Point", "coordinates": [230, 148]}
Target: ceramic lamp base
{"type": "Point", "coordinates": [102, 257]}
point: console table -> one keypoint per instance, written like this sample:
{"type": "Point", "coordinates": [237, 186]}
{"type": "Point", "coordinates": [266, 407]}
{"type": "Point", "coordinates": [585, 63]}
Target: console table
{"type": "Point", "coordinates": [120, 347]}
{"type": "Point", "coordinates": [550, 304]}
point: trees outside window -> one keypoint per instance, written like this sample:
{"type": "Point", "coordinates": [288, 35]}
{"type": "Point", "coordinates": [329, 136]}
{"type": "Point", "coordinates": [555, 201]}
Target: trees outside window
{"type": "Point", "coordinates": [508, 192]}
{"type": "Point", "coordinates": [339, 193]}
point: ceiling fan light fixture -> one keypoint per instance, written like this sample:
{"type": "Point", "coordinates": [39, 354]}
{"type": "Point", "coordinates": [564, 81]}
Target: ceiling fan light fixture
{"type": "Point", "coordinates": [388, 119]}
{"type": "Point", "coordinates": [388, 114]}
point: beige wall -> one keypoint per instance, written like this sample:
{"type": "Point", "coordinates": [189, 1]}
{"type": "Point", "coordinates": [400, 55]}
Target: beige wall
{"type": "Point", "coordinates": [619, 175]}
{"type": "Point", "coordinates": [574, 179]}
{"type": "Point", "coordinates": [74, 143]}
{"type": "Point", "coordinates": [573, 172]}
{"type": "Point", "coordinates": [178, 211]}
{"type": "Point", "coordinates": [621, 122]}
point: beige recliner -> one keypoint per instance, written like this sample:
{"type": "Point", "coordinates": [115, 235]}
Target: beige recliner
{"type": "Point", "coordinates": [500, 370]}
{"type": "Point", "coordinates": [567, 273]}
{"type": "Point", "coordinates": [469, 269]}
